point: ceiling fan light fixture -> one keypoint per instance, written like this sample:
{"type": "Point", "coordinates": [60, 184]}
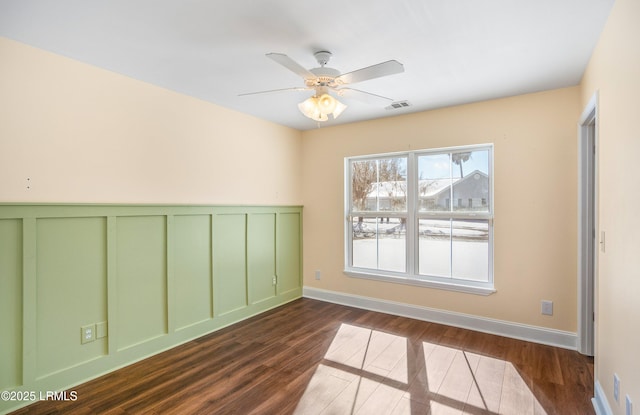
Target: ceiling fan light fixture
{"type": "Point", "coordinates": [338, 110]}
{"type": "Point", "coordinates": [308, 106]}
{"type": "Point", "coordinates": [327, 103]}
{"type": "Point", "coordinates": [319, 107]}
{"type": "Point", "coordinates": [320, 117]}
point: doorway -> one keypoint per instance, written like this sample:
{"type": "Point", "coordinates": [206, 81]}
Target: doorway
{"type": "Point", "coordinates": [587, 225]}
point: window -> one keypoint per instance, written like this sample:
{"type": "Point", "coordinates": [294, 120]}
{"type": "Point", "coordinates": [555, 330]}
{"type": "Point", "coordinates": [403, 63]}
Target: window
{"type": "Point", "coordinates": [422, 217]}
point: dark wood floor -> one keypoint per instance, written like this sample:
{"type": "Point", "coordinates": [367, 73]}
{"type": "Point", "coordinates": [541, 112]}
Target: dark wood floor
{"type": "Point", "coordinates": [311, 357]}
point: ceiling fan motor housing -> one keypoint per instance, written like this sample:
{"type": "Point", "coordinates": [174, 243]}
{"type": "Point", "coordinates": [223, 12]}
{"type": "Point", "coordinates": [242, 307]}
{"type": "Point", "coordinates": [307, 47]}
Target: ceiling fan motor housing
{"type": "Point", "coordinates": [322, 57]}
{"type": "Point", "coordinates": [324, 77]}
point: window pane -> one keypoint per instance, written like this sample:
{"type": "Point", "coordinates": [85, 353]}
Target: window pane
{"type": "Point", "coordinates": [470, 180]}
{"type": "Point", "coordinates": [379, 185]}
{"type": "Point", "coordinates": [470, 256]}
{"type": "Point", "coordinates": [392, 185]}
{"type": "Point", "coordinates": [434, 182]}
{"type": "Point", "coordinates": [379, 243]}
{"type": "Point", "coordinates": [365, 251]}
{"type": "Point", "coordinates": [392, 244]}
{"type": "Point", "coordinates": [434, 247]}
{"type": "Point", "coordinates": [364, 176]}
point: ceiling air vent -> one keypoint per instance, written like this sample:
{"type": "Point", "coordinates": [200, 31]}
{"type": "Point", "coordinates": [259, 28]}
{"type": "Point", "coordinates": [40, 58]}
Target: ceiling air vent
{"type": "Point", "coordinates": [398, 105]}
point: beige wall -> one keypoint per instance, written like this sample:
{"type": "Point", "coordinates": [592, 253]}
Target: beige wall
{"type": "Point", "coordinates": [535, 202]}
{"type": "Point", "coordinates": [614, 71]}
{"type": "Point", "coordinates": [83, 134]}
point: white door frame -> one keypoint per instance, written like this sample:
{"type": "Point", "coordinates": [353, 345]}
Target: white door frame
{"type": "Point", "coordinates": [587, 225]}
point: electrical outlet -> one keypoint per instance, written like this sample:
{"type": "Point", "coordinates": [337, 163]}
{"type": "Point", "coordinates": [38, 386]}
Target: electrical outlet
{"type": "Point", "coordinates": [629, 406]}
{"type": "Point", "coordinates": [274, 281]}
{"type": "Point", "coordinates": [87, 333]}
{"type": "Point", "coordinates": [318, 275]}
{"type": "Point", "coordinates": [616, 387]}
{"type": "Point", "coordinates": [547, 307]}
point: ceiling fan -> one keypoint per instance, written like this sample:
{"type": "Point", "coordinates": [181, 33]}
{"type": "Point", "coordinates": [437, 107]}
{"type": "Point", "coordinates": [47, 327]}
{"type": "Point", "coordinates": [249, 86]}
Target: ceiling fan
{"type": "Point", "coordinates": [323, 80]}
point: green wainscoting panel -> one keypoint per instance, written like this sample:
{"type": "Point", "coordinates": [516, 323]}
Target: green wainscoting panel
{"type": "Point", "coordinates": [192, 270]}
{"type": "Point", "coordinates": [261, 256]}
{"type": "Point", "coordinates": [142, 279]}
{"type": "Point", "coordinates": [149, 277]}
{"type": "Point", "coordinates": [289, 252]}
{"type": "Point", "coordinates": [71, 289]}
{"type": "Point", "coordinates": [10, 303]}
{"type": "Point", "coordinates": [230, 262]}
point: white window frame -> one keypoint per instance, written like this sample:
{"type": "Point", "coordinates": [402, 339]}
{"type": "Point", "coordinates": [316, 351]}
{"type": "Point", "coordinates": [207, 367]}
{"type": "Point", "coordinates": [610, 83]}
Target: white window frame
{"type": "Point", "coordinates": [413, 215]}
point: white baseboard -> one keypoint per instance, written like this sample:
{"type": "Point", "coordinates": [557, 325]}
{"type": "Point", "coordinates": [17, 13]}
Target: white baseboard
{"type": "Point", "coordinates": [600, 402]}
{"type": "Point", "coordinates": [558, 338]}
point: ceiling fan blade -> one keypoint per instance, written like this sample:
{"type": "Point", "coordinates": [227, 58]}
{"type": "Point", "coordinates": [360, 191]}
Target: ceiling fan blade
{"type": "Point", "coordinates": [296, 89]}
{"type": "Point", "coordinates": [291, 65]}
{"type": "Point", "coordinates": [367, 97]}
{"type": "Point", "coordinates": [370, 72]}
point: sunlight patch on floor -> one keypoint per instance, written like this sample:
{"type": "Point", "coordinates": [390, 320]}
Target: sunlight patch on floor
{"type": "Point", "coordinates": [372, 372]}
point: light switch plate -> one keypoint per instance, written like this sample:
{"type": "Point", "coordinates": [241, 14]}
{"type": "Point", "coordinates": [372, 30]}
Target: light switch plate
{"type": "Point", "coordinates": [101, 330]}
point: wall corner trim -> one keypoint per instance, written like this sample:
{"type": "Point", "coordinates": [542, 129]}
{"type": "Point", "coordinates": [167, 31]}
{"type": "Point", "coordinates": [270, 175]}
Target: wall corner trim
{"type": "Point", "coordinates": [551, 337]}
{"type": "Point", "coordinates": [600, 402]}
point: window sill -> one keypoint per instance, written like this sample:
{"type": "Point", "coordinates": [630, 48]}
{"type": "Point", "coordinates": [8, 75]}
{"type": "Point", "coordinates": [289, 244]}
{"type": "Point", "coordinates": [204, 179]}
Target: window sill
{"type": "Point", "coordinates": [469, 289]}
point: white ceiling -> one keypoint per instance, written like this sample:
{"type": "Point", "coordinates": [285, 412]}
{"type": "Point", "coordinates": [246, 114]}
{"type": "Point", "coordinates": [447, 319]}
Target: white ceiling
{"type": "Point", "coordinates": [453, 51]}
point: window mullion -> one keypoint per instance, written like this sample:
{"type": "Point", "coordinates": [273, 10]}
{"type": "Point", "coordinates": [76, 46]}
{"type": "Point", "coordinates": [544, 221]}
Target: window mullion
{"type": "Point", "coordinates": [450, 183]}
{"type": "Point", "coordinates": [450, 215]}
{"type": "Point", "coordinates": [378, 237]}
{"type": "Point", "coordinates": [377, 186]}
{"type": "Point", "coordinates": [451, 248]}
{"type": "Point", "coordinates": [411, 220]}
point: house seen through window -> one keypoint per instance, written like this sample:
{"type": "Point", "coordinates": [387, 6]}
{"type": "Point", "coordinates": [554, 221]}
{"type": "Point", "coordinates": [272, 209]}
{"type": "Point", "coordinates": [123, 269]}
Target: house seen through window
{"type": "Point", "coordinates": [422, 217]}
